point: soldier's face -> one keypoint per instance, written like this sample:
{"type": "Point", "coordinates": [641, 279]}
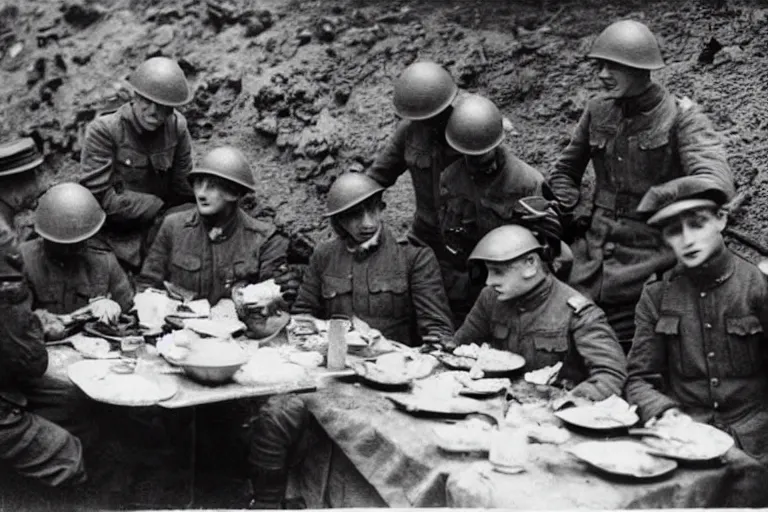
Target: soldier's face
{"type": "Point", "coordinates": [621, 81]}
{"type": "Point", "coordinates": [212, 195]}
{"type": "Point", "coordinates": [63, 251]}
{"type": "Point", "coordinates": [149, 114]}
{"type": "Point", "coordinates": [362, 221]}
{"type": "Point", "coordinates": [695, 235]}
{"type": "Point", "coordinates": [512, 279]}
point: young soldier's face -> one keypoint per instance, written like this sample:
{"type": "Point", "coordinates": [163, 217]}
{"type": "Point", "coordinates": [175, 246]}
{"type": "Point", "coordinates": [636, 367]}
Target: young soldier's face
{"type": "Point", "coordinates": [212, 195]}
{"type": "Point", "coordinates": [619, 81]}
{"type": "Point", "coordinates": [695, 235]}
{"type": "Point", "coordinates": [363, 220]}
{"type": "Point", "coordinates": [511, 279]}
{"type": "Point", "coordinates": [149, 114]}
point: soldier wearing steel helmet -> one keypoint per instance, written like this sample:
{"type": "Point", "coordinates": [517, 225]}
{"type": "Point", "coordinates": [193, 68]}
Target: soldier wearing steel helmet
{"type": "Point", "coordinates": [32, 444]}
{"type": "Point", "coordinates": [478, 192]}
{"type": "Point", "coordinates": [526, 310]}
{"type": "Point", "coordinates": [136, 160]}
{"type": "Point", "coordinates": [637, 135]}
{"type": "Point", "coordinates": [210, 249]}
{"type": "Point", "coordinates": [393, 285]}
{"type": "Point", "coordinates": [423, 97]}
{"type": "Point", "coordinates": [65, 272]}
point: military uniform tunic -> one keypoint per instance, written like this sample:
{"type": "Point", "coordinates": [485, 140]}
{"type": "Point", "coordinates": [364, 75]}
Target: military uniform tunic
{"type": "Point", "coordinates": [549, 324]}
{"type": "Point", "coordinates": [633, 144]}
{"type": "Point", "coordinates": [701, 346]}
{"type": "Point", "coordinates": [393, 287]}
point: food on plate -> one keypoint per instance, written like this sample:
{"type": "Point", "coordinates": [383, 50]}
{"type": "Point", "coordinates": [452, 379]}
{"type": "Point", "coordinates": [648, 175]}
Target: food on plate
{"type": "Point", "coordinates": [94, 348]}
{"type": "Point", "coordinates": [153, 306]}
{"type": "Point", "coordinates": [472, 350]}
{"type": "Point", "coordinates": [613, 412]}
{"type": "Point", "coordinates": [691, 441]}
{"type": "Point", "coordinates": [548, 434]}
{"type": "Point", "coordinates": [621, 457]}
{"type": "Point", "coordinates": [543, 376]}
{"type": "Point", "coordinates": [175, 346]}
{"type": "Point", "coordinates": [471, 435]}
{"type": "Point", "coordinates": [397, 368]}
{"type": "Point", "coordinates": [309, 359]}
{"type": "Point", "coordinates": [482, 361]}
{"type": "Point", "coordinates": [259, 294]}
{"type": "Point", "coordinates": [481, 385]}
{"type": "Point", "coordinates": [269, 366]}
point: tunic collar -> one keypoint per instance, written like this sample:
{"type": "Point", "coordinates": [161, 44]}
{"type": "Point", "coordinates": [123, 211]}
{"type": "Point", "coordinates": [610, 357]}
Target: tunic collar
{"type": "Point", "coordinates": [712, 273]}
{"type": "Point", "coordinates": [643, 102]}
{"type": "Point", "coordinates": [534, 297]}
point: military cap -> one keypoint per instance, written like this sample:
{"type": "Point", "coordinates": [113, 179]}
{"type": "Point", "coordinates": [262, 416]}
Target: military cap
{"type": "Point", "coordinates": [18, 156]}
{"type": "Point", "coordinates": [669, 199]}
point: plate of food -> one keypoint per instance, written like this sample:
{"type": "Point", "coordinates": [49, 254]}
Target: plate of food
{"type": "Point", "coordinates": [692, 441]}
{"type": "Point", "coordinates": [93, 348]}
{"type": "Point", "coordinates": [481, 388]}
{"type": "Point", "coordinates": [482, 361]}
{"type": "Point", "coordinates": [395, 370]}
{"type": "Point", "coordinates": [98, 380]}
{"type": "Point", "coordinates": [611, 413]}
{"type": "Point", "coordinates": [424, 405]}
{"type": "Point", "coordinates": [623, 458]}
{"type": "Point", "coordinates": [468, 436]}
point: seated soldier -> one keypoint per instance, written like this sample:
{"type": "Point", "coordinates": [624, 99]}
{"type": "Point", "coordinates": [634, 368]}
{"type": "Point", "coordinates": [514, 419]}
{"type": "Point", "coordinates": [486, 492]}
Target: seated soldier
{"type": "Point", "coordinates": [526, 310]}
{"type": "Point", "coordinates": [30, 442]}
{"type": "Point", "coordinates": [208, 251]}
{"type": "Point", "coordinates": [66, 272]}
{"type": "Point", "coordinates": [393, 286]}
{"type": "Point", "coordinates": [699, 349]}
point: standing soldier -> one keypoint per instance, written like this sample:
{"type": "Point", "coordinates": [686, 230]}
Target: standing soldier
{"type": "Point", "coordinates": [30, 443]}
{"type": "Point", "coordinates": [136, 160]}
{"type": "Point", "coordinates": [423, 97]}
{"type": "Point", "coordinates": [637, 135]}
{"type": "Point", "coordinates": [478, 192]}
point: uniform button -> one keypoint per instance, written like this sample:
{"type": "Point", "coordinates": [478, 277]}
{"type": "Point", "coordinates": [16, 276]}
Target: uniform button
{"type": "Point", "coordinates": [703, 294]}
{"type": "Point", "coordinates": [710, 355]}
{"type": "Point", "coordinates": [714, 381]}
{"type": "Point", "coordinates": [708, 326]}
{"type": "Point", "coordinates": [609, 248]}
{"type": "Point", "coordinates": [715, 405]}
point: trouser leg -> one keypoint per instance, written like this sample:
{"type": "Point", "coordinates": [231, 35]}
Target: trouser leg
{"type": "Point", "coordinates": [39, 449]}
{"type": "Point", "coordinates": [276, 445]}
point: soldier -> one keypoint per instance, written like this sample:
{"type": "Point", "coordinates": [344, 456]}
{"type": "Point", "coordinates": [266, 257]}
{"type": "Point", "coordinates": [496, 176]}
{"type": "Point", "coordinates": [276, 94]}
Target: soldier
{"type": "Point", "coordinates": [136, 160]}
{"type": "Point", "coordinates": [423, 97]}
{"type": "Point", "coordinates": [208, 251]}
{"type": "Point", "coordinates": [526, 310]}
{"type": "Point", "coordinates": [478, 193]}
{"type": "Point", "coordinates": [30, 444]}
{"type": "Point", "coordinates": [392, 285]}
{"type": "Point", "coordinates": [65, 272]}
{"type": "Point", "coordinates": [700, 348]}
{"type": "Point", "coordinates": [637, 135]}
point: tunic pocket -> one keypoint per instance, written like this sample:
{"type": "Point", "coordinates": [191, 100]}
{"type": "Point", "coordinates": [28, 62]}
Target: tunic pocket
{"type": "Point", "coordinates": [337, 295]}
{"type": "Point", "coordinates": [185, 271]}
{"type": "Point", "coordinates": [551, 347]}
{"type": "Point", "coordinates": [389, 297]}
{"type": "Point", "coordinates": [745, 337]}
{"type": "Point", "coordinates": [132, 166]}
{"type": "Point", "coordinates": [669, 327]}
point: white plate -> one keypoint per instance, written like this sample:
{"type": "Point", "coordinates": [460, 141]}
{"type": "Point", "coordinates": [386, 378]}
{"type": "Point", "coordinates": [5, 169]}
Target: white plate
{"type": "Point", "coordinates": [100, 383]}
{"type": "Point", "coordinates": [624, 458]}
{"type": "Point", "coordinates": [692, 442]}
{"type": "Point", "coordinates": [597, 418]}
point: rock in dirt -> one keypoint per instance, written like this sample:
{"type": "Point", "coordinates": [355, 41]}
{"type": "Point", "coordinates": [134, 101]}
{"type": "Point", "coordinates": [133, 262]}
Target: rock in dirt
{"type": "Point", "coordinates": [304, 37]}
{"type": "Point", "coordinates": [253, 28]}
{"type": "Point", "coordinates": [267, 126]}
{"type": "Point", "coordinates": [221, 12]}
{"type": "Point", "coordinates": [163, 36]}
{"type": "Point", "coordinates": [83, 14]}
{"type": "Point", "coordinates": [707, 55]}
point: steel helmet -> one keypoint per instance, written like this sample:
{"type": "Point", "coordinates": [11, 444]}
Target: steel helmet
{"type": "Point", "coordinates": [226, 162]}
{"type": "Point", "coordinates": [161, 80]}
{"type": "Point", "coordinates": [423, 90]}
{"type": "Point", "coordinates": [68, 213]}
{"type": "Point", "coordinates": [475, 126]}
{"type": "Point", "coordinates": [505, 243]}
{"type": "Point", "coordinates": [19, 156]}
{"type": "Point", "coordinates": [348, 190]}
{"type": "Point", "coordinates": [629, 43]}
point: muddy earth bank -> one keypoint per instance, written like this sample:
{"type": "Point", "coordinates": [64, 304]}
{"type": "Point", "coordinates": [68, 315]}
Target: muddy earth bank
{"type": "Point", "coordinates": [304, 87]}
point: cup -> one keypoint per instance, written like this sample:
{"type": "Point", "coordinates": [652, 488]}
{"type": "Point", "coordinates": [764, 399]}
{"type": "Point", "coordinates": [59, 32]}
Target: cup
{"type": "Point", "coordinates": [337, 344]}
{"type": "Point", "coordinates": [509, 449]}
{"type": "Point", "coordinates": [131, 346]}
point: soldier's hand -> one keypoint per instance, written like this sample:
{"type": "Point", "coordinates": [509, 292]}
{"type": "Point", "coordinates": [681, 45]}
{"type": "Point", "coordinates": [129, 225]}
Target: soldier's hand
{"type": "Point", "coordinates": [669, 418]}
{"type": "Point", "coordinates": [53, 326]}
{"type": "Point", "coordinates": [106, 310]}
{"type": "Point", "coordinates": [438, 342]}
{"type": "Point", "coordinates": [289, 281]}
